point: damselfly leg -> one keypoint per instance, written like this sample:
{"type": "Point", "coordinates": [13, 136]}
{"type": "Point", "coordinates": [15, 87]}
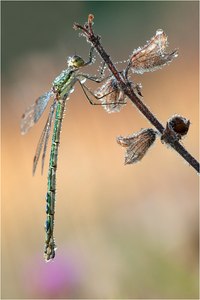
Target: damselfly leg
{"type": "Point", "coordinates": [111, 97]}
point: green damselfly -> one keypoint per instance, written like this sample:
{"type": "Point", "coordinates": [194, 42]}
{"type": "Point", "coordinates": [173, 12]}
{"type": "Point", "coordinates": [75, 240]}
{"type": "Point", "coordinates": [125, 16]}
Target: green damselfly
{"type": "Point", "coordinates": [62, 86]}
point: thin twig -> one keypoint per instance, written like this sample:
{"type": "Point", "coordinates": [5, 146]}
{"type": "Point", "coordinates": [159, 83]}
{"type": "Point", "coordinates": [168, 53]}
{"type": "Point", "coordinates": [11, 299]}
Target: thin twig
{"type": "Point", "coordinates": [87, 31]}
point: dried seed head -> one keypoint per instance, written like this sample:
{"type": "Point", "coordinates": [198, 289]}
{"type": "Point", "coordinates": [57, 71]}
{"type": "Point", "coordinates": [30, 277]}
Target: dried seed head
{"type": "Point", "coordinates": [153, 55]}
{"type": "Point", "coordinates": [176, 127]}
{"type": "Point", "coordinates": [137, 144]}
{"type": "Point", "coordinates": [90, 18]}
{"type": "Point", "coordinates": [179, 124]}
{"type": "Point", "coordinates": [111, 97]}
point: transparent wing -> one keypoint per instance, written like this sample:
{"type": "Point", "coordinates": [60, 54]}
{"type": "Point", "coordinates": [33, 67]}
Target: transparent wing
{"type": "Point", "coordinates": [153, 55]}
{"type": "Point", "coordinates": [48, 129]}
{"type": "Point", "coordinates": [34, 112]}
{"type": "Point", "coordinates": [44, 139]}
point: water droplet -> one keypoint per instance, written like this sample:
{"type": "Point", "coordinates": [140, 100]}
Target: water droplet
{"type": "Point", "coordinates": [83, 80]}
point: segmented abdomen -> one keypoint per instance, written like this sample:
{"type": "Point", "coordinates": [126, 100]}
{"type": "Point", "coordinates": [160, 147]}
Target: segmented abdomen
{"type": "Point", "coordinates": [50, 246]}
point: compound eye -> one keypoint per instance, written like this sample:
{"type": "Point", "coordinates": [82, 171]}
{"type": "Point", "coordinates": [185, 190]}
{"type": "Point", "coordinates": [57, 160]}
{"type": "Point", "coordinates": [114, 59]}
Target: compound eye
{"type": "Point", "coordinates": [75, 61]}
{"type": "Point", "coordinates": [78, 61]}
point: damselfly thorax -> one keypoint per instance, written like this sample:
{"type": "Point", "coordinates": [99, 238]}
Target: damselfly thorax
{"type": "Point", "coordinates": [64, 83]}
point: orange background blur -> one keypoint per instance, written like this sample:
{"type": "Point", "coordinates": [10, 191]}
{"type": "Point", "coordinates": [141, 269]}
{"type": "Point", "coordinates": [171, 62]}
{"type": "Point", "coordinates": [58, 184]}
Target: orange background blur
{"type": "Point", "coordinates": [121, 231]}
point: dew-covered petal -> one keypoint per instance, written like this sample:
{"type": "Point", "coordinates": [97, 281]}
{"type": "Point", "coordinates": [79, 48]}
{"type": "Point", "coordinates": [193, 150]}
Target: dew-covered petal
{"type": "Point", "coordinates": [137, 144]}
{"type": "Point", "coordinates": [110, 95]}
{"type": "Point", "coordinates": [153, 55]}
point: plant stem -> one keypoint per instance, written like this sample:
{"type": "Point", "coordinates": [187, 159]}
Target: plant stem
{"type": "Point", "coordinates": [127, 89]}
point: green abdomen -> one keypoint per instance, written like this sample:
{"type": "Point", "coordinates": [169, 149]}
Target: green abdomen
{"type": "Point", "coordinates": [50, 246]}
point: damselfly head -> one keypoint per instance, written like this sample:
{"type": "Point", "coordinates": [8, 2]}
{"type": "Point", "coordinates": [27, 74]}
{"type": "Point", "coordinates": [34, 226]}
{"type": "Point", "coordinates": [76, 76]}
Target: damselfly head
{"type": "Point", "coordinates": [75, 61]}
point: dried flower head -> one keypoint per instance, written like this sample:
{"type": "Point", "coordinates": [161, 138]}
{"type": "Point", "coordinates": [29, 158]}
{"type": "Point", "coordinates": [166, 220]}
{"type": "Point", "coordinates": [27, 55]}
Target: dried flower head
{"type": "Point", "coordinates": [176, 127]}
{"type": "Point", "coordinates": [137, 144]}
{"type": "Point", "coordinates": [111, 96]}
{"type": "Point", "coordinates": [153, 55]}
{"type": "Point", "coordinates": [90, 18]}
{"type": "Point", "coordinates": [179, 124]}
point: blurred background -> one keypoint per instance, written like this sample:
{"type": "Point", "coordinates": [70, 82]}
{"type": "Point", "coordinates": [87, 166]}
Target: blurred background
{"type": "Point", "coordinates": [121, 231]}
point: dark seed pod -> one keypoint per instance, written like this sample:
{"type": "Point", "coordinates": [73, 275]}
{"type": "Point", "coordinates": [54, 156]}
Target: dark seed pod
{"type": "Point", "coordinates": [179, 124]}
{"type": "Point", "coordinates": [176, 127]}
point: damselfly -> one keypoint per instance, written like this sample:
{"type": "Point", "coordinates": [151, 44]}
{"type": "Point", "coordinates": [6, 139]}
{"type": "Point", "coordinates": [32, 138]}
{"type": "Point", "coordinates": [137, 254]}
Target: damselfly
{"type": "Point", "coordinates": [62, 86]}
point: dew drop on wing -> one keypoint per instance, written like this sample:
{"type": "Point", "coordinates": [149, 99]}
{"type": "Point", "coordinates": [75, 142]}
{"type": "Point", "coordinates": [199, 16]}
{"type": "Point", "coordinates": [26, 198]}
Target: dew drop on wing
{"type": "Point", "coordinates": [72, 90]}
{"type": "Point", "coordinates": [83, 80]}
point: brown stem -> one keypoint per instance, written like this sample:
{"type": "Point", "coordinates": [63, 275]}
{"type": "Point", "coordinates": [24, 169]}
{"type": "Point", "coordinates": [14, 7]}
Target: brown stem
{"type": "Point", "coordinates": [127, 89]}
